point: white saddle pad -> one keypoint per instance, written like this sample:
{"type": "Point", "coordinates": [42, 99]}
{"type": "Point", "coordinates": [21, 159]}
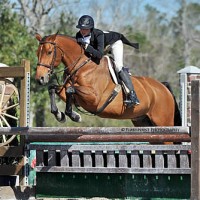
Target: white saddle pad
{"type": "Point", "coordinates": [112, 72]}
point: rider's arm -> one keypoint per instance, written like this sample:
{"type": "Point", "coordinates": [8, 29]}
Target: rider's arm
{"type": "Point", "coordinates": [98, 51]}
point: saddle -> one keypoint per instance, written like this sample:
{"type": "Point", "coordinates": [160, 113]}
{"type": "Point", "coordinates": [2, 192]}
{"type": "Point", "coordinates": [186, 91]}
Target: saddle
{"type": "Point", "coordinates": [114, 74]}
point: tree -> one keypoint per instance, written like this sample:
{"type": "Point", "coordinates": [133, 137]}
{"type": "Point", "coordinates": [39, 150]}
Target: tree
{"type": "Point", "coordinates": [41, 15]}
{"type": "Point", "coordinates": [15, 42]}
{"type": "Point", "coordinates": [153, 35]}
{"type": "Point", "coordinates": [185, 29]}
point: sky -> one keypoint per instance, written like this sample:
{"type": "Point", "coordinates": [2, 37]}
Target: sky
{"type": "Point", "coordinates": [138, 6]}
{"type": "Point", "coordinates": [127, 9]}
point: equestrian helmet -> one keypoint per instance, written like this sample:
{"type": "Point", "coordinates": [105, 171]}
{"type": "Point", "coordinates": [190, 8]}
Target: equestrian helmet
{"type": "Point", "coordinates": [85, 22]}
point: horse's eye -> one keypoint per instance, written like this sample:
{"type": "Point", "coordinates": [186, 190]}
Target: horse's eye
{"type": "Point", "coordinates": [49, 53]}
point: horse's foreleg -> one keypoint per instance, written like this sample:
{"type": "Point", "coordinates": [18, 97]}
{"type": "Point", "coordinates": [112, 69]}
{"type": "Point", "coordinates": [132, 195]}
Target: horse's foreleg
{"type": "Point", "coordinates": [74, 116]}
{"type": "Point", "coordinates": [60, 116]}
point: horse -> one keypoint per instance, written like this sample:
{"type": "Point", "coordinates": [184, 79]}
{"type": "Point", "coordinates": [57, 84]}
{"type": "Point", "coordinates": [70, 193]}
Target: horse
{"type": "Point", "coordinates": [89, 85]}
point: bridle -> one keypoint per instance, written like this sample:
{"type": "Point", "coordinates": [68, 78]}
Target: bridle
{"type": "Point", "coordinates": [51, 66]}
{"type": "Point", "coordinates": [74, 63]}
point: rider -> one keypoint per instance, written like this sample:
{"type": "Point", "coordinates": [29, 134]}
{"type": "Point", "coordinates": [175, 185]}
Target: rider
{"type": "Point", "coordinates": [94, 41]}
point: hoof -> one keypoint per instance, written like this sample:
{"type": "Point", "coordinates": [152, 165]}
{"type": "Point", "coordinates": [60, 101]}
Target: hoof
{"type": "Point", "coordinates": [61, 117]}
{"type": "Point", "coordinates": [75, 117]}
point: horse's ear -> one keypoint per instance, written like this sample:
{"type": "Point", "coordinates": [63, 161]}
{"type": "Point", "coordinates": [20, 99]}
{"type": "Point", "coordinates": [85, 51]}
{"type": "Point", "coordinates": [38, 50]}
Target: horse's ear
{"type": "Point", "coordinates": [38, 37]}
{"type": "Point", "coordinates": [54, 36]}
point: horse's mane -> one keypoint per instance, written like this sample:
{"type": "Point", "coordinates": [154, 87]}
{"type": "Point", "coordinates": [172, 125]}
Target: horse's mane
{"type": "Point", "coordinates": [67, 36]}
{"type": "Point", "coordinates": [61, 35]}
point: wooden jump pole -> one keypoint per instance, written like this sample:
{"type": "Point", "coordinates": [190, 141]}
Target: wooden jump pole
{"type": "Point", "coordinates": [195, 137]}
{"type": "Point", "coordinates": [101, 134]}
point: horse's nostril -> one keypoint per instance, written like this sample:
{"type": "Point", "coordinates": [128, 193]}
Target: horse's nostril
{"type": "Point", "coordinates": [40, 80]}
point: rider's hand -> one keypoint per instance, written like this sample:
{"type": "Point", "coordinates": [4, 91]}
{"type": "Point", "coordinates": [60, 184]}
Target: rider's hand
{"type": "Point", "coordinates": [81, 42]}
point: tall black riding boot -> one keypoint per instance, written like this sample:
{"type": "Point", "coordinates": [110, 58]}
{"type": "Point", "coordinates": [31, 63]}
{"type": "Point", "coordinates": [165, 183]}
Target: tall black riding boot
{"type": "Point", "coordinates": [133, 100]}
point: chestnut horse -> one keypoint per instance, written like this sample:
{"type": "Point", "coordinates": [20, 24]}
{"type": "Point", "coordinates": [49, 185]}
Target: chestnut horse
{"type": "Point", "coordinates": [89, 85]}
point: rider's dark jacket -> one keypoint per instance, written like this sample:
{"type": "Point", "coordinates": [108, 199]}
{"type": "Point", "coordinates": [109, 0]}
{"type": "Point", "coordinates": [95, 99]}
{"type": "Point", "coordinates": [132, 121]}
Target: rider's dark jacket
{"type": "Point", "coordinates": [99, 40]}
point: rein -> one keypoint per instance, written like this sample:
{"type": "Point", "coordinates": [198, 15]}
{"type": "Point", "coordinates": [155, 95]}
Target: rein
{"type": "Point", "coordinates": [79, 67]}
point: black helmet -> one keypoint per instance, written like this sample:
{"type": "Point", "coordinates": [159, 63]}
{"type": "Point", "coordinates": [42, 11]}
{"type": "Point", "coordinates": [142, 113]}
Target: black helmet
{"type": "Point", "coordinates": [85, 22]}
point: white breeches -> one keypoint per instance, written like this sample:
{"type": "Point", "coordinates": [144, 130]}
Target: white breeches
{"type": "Point", "coordinates": [117, 52]}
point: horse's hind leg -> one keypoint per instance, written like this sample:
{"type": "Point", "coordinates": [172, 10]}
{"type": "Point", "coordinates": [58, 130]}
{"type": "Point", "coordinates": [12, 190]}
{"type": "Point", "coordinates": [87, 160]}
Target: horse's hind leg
{"type": "Point", "coordinates": [74, 116]}
{"type": "Point", "coordinates": [60, 116]}
{"type": "Point", "coordinates": [142, 121]}
{"type": "Point", "coordinates": [163, 115]}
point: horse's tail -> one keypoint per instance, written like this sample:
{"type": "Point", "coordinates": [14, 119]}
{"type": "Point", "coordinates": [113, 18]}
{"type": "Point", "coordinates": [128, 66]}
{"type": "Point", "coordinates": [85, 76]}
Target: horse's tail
{"type": "Point", "coordinates": [177, 114]}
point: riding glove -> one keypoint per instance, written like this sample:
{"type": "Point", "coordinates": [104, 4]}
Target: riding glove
{"type": "Point", "coordinates": [82, 42]}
